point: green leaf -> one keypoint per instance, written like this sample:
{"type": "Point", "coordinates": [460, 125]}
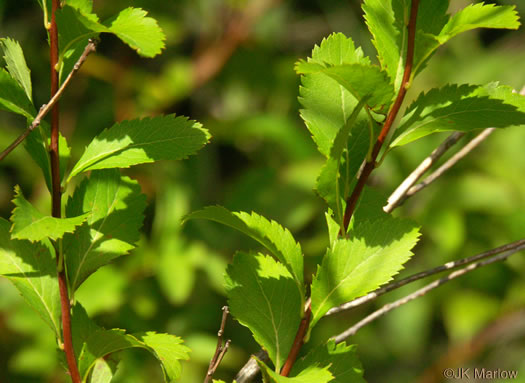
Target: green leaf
{"type": "Point", "coordinates": [168, 349]}
{"type": "Point", "coordinates": [138, 31]}
{"type": "Point", "coordinates": [115, 206]}
{"type": "Point", "coordinates": [311, 374]}
{"type": "Point", "coordinates": [16, 64]}
{"type": "Point", "coordinates": [353, 267]}
{"type": "Point", "coordinates": [262, 296]}
{"type": "Point", "coordinates": [13, 97]}
{"type": "Point", "coordinates": [327, 105]}
{"type": "Point", "coordinates": [387, 21]}
{"type": "Point", "coordinates": [30, 224]}
{"type": "Point", "coordinates": [337, 49]}
{"type": "Point", "coordinates": [365, 82]}
{"type": "Point", "coordinates": [333, 184]}
{"type": "Point", "coordinates": [341, 360]}
{"type": "Point", "coordinates": [276, 239]}
{"type": "Point", "coordinates": [460, 108]}
{"type": "Point", "coordinates": [92, 342]}
{"type": "Point", "coordinates": [480, 16]}
{"type": "Point", "coordinates": [141, 141]}
{"type": "Point", "coordinates": [76, 25]}
{"type": "Point", "coordinates": [31, 267]}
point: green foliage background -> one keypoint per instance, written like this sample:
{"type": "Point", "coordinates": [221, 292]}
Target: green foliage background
{"type": "Point", "coordinates": [261, 158]}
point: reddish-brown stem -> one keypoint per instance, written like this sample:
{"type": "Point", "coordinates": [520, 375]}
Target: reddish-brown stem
{"type": "Point", "coordinates": [351, 202]}
{"type": "Point", "coordinates": [54, 150]}
{"type": "Point", "coordinates": [56, 200]}
{"type": "Point", "coordinates": [298, 341]}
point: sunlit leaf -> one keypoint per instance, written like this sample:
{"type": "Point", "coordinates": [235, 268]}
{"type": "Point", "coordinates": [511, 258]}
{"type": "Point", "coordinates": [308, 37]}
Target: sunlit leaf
{"type": "Point", "coordinates": [115, 206]}
{"type": "Point", "coordinates": [141, 141]}
{"type": "Point", "coordinates": [30, 224]}
{"type": "Point", "coordinates": [31, 267]}
{"type": "Point", "coordinates": [262, 296]}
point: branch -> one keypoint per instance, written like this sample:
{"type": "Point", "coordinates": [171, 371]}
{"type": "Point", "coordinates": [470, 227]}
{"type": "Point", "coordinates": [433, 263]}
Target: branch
{"type": "Point", "coordinates": [221, 348]}
{"type": "Point", "coordinates": [44, 109]}
{"type": "Point", "coordinates": [370, 165]}
{"type": "Point", "coordinates": [298, 341]}
{"type": "Point", "coordinates": [421, 292]}
{"type": "Point", "coordinates": [407, 190]}
{"type": "Point", "coordinates": [56, 196]}
{"type": "Point", "coordinates": [447, 266]}
{"type": "Point", "coordinates": [399, 195]}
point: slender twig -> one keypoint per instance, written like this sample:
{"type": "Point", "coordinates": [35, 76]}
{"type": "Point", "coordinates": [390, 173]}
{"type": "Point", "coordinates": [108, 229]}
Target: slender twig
{"type": "Point", "coordinates": [370, 164]}
{"type": "Point", "coordinates": [408, 189]}
{"type": "Point", "coordinates": [298, 341]}
{"type": "Point", "coordinates": [44, 109]}
{"type": "Point", "coordinates": [399, 195]}
{"type": "Point", "coordinates": [451, 162]}
{"type": "Point", "coordinates": [56, 199]}
{"type": "Point", "coordinates": [422, 291]}
{"type": "Point", "coordinates": [415, 277]}
{"type": "Point", "coordinates": [221, 348]}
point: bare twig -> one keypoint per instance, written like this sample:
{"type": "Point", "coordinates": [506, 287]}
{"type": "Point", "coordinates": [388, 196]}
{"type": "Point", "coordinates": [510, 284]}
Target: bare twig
{"type": "Point", "coordinates": [407, 189]}
{"type": "Point", "coordinates": [221, 348]}
{"type": "Point", "coordinates": [399, 195]}
{"type": "Point", "coordinates": [419, 293]}
{"type": "Point", "coordinates": [44, 109]}
{"type": "Point", "coordinates": [370, 164]}
{"type": "Point", "coordinates": [447, 266]}
{"type": "Point", "coordinates": [447, 165]}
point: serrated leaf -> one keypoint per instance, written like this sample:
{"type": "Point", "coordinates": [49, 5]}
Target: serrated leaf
{"type": "Point", "coordinates": [311, 374]}
{"type": "Point", "coordinates": [387, 21]}
{"type": "Point", "coordinates": [141, 141]}
{"type": "Point", "coordinates": [364, 82]}
{"type": "Point", "coordinates": [337, 49]}
{"type": "Point", "coordinates": [460, 108]}
{"type": "Point", "coordinates": [341, 360]}
{"type": "Point", "coordinates": [140, 32]}
{"type": "Point", "coordinates": [16, 64]}
{"type": "Point", "coordinates": [115, 206]}
{"type": "Point", "coordinates": [276, 239]}
{"type": "Point", "coordinates": [76, 24]}
{"type": "Point", "coordinates": [168, 349]}
{"type": "Point", "coordinates": [31, 267]}
{"type": "Point", "coordinates": [327, 105]}
{"type": "Point", "coordinates": [30, 224]}
{"type": "Point", "coordinates": [353, 267]}
{"type": "Point", "coordinates": [92, 342]}
{"type": "Point", "coordinates": [262, 296]}
{"type": "Point", "coordinates": [480, 16]}
{"type": "Point", "coordinates": [13, 97]}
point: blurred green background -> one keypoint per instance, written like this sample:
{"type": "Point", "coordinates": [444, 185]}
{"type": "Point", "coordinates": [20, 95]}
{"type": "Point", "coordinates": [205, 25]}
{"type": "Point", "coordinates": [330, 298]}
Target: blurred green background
{"type": "Point", "coordinates": [229, 65]}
